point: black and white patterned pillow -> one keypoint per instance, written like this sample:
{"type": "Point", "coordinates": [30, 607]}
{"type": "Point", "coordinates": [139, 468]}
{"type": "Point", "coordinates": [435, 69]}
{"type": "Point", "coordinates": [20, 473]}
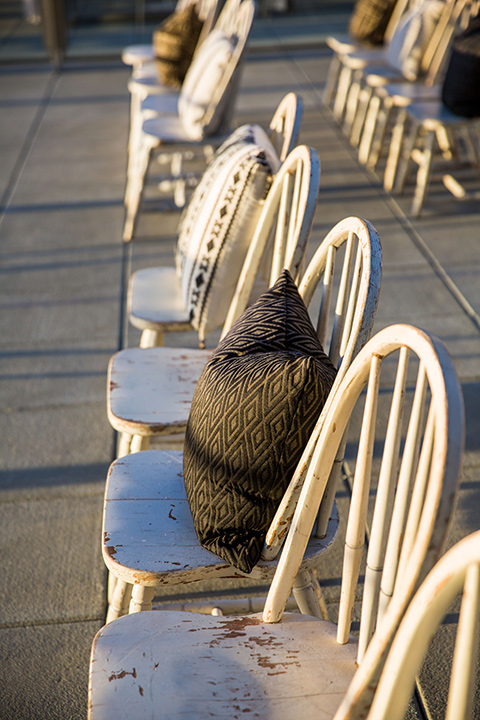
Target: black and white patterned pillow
{"type": "Point", "coordinates": [217, 228]}
{"type": "Point", "coordinates": [253, 410]}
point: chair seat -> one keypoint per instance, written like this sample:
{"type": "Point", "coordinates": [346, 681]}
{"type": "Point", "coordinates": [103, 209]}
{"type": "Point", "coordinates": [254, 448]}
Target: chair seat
{"type": "Point", "coordinates": [162, 104]}
{"type": "Point", "coordinates": [341, 44]}
{"type": "Point", "coordinates": [360, 59]}
{"type": "Point", "coordinates": [167, 128]}
{"type": "Point", "coordinates": [379, 75]}
{"type": "Point", "coordinates": [434, 114]}
{"type": "Point", "coordinates": [150, 390]}
{"type": "Point", "coordinates": [404, 93]}
{"type": "Point", "coordinates": [178, 665]}
{"type": "Point", "coordinates": [155, 300]}
{"type": "Point", "coordinates": [137, 54]}
{"type": "Point", "coordinates": [149, 537]}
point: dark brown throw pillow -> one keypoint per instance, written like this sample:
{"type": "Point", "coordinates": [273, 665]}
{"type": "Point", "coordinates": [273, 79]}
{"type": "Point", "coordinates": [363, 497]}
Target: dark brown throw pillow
{"type": "Point", "coordinates": [461, 86]}
{"type": "Point", "coordinates": [370, 19]}
{"type": "Point", "coordinates": [174, 43]}
{"type": "Point", "coordinates": [253, 410]}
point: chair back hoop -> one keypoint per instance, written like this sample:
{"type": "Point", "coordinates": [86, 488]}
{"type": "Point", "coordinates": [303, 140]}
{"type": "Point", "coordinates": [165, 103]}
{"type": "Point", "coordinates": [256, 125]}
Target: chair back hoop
{"type": "Point", "coordinates": [436, 51]}
{"type": "Point", "coordinates": [226, 20]}
{"type": "Point", "coordinates": [457, 572]}
{"type": "Point", "coordinates": [400, 8]}
{"type": "Point", "coordinates": [355, 310]}
{"type": "Point", "coordinates": [284, 128]}
{"type": "Point", "coordinates": [239, 31]}
{"type": "Point", "coordinates": [208, 12]}
{"type": "Point", "coordinates": [416, 487]}
{"type": "Point", "coordinates": [287, 214]}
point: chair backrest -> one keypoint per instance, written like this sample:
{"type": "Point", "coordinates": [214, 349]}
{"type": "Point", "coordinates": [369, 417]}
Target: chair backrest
{"type": "Point", "coordinates": [413, 438]}
{"type": "Point", "coordinates": [236, 20]}
{"type": "Point", "coordinates": [207, 95]}
{"type": "Point", "coordinates": [349, 260]}
{"type": "Point", "coordinates": [456, 573]}
{"type": "Point", "coordinates": [436, 53]}
{"type": "Point", "coordinates": [283, 228]}
{"type": "Point", "coordinates": [284, 128]}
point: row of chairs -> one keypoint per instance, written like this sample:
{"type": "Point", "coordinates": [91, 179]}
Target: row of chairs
{"type": "Point", "coordinates": [168, 664]}
{"type": "Point", "coordinates": [383, 109]}
{"type": "Point", "coordinates": [195, 119]}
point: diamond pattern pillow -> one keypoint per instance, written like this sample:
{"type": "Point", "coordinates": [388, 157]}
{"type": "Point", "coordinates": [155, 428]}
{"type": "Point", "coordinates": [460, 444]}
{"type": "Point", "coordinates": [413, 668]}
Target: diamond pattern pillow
{"type": "Point", "coordinates": [174, 42]}
{"type": "Point", "coordinates": [253, 410]}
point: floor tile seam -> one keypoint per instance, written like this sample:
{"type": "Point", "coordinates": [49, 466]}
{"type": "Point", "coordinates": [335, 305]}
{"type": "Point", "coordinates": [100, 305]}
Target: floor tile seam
{"type": "Point", "coordinates": [51, 407]}
{"type": "Point", "coordinates": [27, 145]}
{"type": "Point", "coordinates": [97, 494]}
{"type": "Point", "coordinates": [74, 620]}
{"type": "Point", "coordinates": [410, 230]}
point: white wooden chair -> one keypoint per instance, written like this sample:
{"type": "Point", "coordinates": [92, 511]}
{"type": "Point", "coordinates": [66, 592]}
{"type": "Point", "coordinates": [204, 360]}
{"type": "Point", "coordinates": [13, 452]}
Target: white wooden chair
{"type": "Point", "coordinates": [283, 131]}
{"type": "Point", "coordinates": [290, 665]}
{"type": "Point", "coordinates": [144, 81]}
{"type": "Point", "coordinates": [344, 45]}
{"type": "Point", "coordinates": [155, 303]}
{"type": "Point", "coordinates": [432, 128]}
{"type": "Point", "coordinates": [456, 573]}
{"type": "Point", "coordinates": [344, 325]}
{"type": "Point", "coordinates": [150, 388]}
{"type": "Point", "coordinates": [367, 74]}
{"type": "Point", "coordinates": [168, 129]}
{"type": "Point", "coordinates": [392, 99]}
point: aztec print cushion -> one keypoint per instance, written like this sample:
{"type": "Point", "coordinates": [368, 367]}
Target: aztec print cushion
{"type": "Point", "coordinates": [256, 135]}
{"type": "Point", "coordinates": [370, 19]}
{"type": "Point", "coordinates": [410, 40]}
{"type": "Point", "coordinates": [216, 230]}
{"type": "Point", "coordinates": [202, 79]}
{"type": "Point", "coordinates": [253, 410]}
{"type": "Point", "coordinates": [174, 43]}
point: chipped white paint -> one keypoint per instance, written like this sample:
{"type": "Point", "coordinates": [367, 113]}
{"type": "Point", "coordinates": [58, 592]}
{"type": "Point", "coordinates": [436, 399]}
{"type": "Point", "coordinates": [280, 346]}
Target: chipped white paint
{"type": "Point", "coordinates": [173, 665]}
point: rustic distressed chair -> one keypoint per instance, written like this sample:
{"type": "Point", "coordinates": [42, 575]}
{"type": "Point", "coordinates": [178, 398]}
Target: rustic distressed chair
{"type": "Point", "coordinates": [389, 101]}
{"type": "Point", "coordinates": [344, 44]}
{"type": "Point", "coordinates": [347, 267]}
{"type": "Point", "coordinates": [155, 303]}
{"type": "Point", "coordinates": [201, 115]}
{"type": "Point", "coordinates": [367, 75]}
{"type": "Point", "coordinates": [157, 664]}
{"type": "Point", "coordinates": [456, 573]}
{"type": "Point", "coordinates": [144, 81]}
{"type": "Point", "coordinates": [432, 127]}
{"type": "Point", "coordinates": [150, 388]}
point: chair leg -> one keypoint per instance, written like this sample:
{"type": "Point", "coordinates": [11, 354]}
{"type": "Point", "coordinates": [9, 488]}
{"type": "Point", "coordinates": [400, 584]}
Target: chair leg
{"type": "Point", "coordinates": [135, 186]}
{"type": "Point", "coordinates": [343, 87]}
{"type": "Point", "coordinates": [151, 338]}
{"type": "Point", "coordinates": [139, 443]}
{"type": "Point", "coordinates": [332, 80]}
{"type": "Point", "coordinates": [383, 121]}
{"type": "Point", "coordinates": [120, 600]}
{"type": "Point", "coordinates": [369, 128]}
{"type": "Point", "coordinates": [351, 104]}
{"type": "Point", "coordinates": [124, 445]}
{"type": "Point", "coordinates": [305, 594]}
{"type": "Point", "coordinates": [423, 174]}
{"type": "Point", "coordinates": [142, 598]}
{"type": "Point", "coordinates": [405, 158]}
{"type": "Point", "coordinates": [359, 120]}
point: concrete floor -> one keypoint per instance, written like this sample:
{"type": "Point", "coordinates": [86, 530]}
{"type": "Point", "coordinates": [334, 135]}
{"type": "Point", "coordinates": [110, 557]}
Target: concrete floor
{"type": "Point", "coordinates": [63, 266]}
